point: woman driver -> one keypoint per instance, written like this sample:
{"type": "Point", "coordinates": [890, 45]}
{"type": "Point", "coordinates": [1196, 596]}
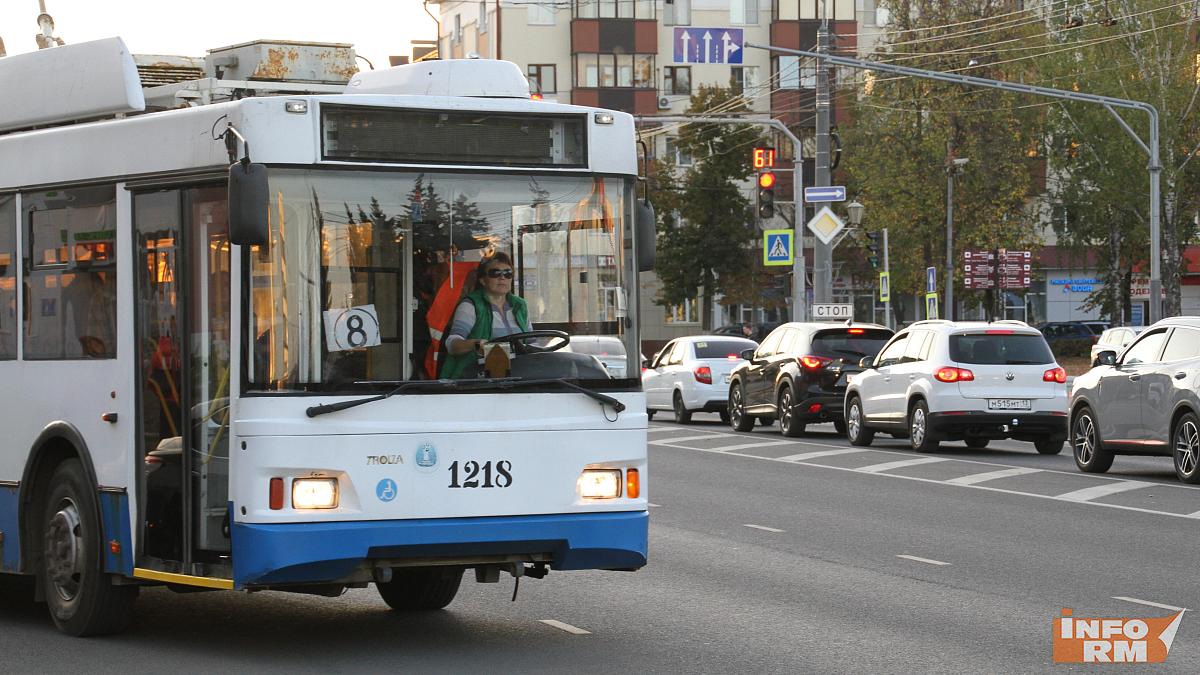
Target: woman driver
{"type": "Point", "coordinates": [489, 312]}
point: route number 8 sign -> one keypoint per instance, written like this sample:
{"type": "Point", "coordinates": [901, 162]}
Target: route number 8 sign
{"type": "Point", "coordinates": [351, 328]}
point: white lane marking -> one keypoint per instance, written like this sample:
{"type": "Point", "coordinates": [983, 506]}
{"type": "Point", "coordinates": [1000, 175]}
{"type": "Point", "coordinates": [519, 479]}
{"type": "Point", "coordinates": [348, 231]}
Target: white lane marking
{"type": "Point", "coordinates": [888, 466]}
{"type": "Point", "coordinates": [923, 560]}
{"type": "Point", "coordinates": [565, 626]}
{"type": "Point", "coordinates": [668, 441]}
{"type": "Point", "coordinates": [762, 527]}
{"type": "Point", "coordinates": [991, 475]}
{"type": "Point", "coordinates": [653, 505]}
{"type": "Point", "coordinates": [1147, 602]}
{"type": "Point", "coordinates": [1089, 493]}
{"type": "Point", "coordinates": [819, 453]}
{"type": "Point", "coordinates": [796, 462]}
{"type": "Point", "coordinates": [744, 446]}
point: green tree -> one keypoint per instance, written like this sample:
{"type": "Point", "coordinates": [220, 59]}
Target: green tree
{"type": "Point", "coordinates": [706, 226]}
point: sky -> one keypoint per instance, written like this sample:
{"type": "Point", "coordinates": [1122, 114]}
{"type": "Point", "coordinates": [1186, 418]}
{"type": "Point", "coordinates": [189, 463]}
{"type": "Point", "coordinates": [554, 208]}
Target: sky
{"type": "Point", "coordinates": [377, 28]}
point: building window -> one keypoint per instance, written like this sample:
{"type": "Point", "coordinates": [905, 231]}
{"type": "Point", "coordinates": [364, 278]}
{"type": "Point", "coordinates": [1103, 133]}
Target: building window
{"type": "Point", "coordinates": [743, 78]}
{"type": "Point", "coordinates": [543, 78]}
{"type": "Point", "coordinates": [796, 74]}
{"type": "Point", "coordinates": [677, 80]}
{"type": "Point", "coordinates": [743, 12]}
{"type": "Point", "coordinates": [677, 154]}
{"type": "Point", "coordinates": [483, 23]}
{"type": "Point", "coordinates": [614, 70]}
{"type": "Point", "coordinates": [686, 312]}
{"type": "Point", "coordinates": [614, 9]}
{"type": "Point", "coordinates": [677, 13]}
{"type": "Point", "coordinates": [71, 287]}
{"type": "Point", "coordinates": [540, 13]}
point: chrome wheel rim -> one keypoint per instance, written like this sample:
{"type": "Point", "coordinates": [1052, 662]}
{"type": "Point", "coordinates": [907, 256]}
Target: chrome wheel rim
{"type": "Point", "coordinates": [853, 421]}
{"type": "Point", "coordinates": [1187, 447]}
{"type": "Point", "coordinates": [64, 550]}
{"type": "Point", "coordinates": [735, 406]}
{"type": "Point", "coordinates": [918, 427]}
{"type": "Point", "coordinates": [1085, 439]}
{"type": "Point", "coordinates": [785, 410]}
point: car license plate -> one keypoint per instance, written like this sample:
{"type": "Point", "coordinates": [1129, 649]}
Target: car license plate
{"type": "Point", "coordinates": [727, 378]}
{"type": "Point", "coordinates": [1008, 404]}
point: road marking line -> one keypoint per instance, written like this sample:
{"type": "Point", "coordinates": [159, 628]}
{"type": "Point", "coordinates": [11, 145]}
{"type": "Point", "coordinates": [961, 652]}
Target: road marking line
{"type": "Point", "coordinates": [1147, 602]}
{"type": "Point", "coordinates": [744, 446]}
{"type": "Point", "coordinates": [991, 475]}
{"type": "Point", "coordinates": [653, 505]}
{"type": "Point", "coordinates": [923, 560]}
{"type": "Point", "coordinates": [888, 466]}
{"type": "Point", "coordinates": [565, 626]}
{"type": "Point", "coordinates": [762, 527]}
{"type": "Point", "coordinates": [819, 453]}
{"type": "Point", "coordinates": [665, 441]}
{"type": "Point", "coordinates": [1087, 494]}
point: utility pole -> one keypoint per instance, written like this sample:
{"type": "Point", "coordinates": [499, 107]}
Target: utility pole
{"type": "Point", "coordinates": [822, 253]}
{"type": "Point", "coordinates": [887, 306]}
{"type": "Point", "coordinates": [953, 167]}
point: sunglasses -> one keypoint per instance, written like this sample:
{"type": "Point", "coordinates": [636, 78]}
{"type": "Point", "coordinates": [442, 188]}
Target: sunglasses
{"type": "Point", "coordinates": [500, 274]}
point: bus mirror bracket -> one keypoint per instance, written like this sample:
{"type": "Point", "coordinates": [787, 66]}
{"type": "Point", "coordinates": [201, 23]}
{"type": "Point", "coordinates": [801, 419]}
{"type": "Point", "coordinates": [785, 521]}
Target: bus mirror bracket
{"type": "Point", "coordinates": [647, 237]}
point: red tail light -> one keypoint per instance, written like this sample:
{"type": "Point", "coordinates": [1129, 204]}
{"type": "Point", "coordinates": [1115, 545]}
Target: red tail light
{"type": "Point", "coordinates": [1055, 375]}
{"type": "Point", "coordinates": [703, 374]}
{"type": "Point", "coordinates": [856, 331]}
{"type": "Point", "coordinates": [998, 331]}
{"type": "Point", "coordinates": [814, 362]}
{"type": "Point", "coordinates": [733, 357]}
{"type": "Point", "coordinates": [276, 495]}
{"type": "Point", "coordinates": [951, 374]}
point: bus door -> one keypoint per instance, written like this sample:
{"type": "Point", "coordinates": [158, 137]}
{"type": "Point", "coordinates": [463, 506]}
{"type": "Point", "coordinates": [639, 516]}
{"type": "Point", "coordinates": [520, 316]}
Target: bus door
{"type": "Point", "coordinates": [183, 337]}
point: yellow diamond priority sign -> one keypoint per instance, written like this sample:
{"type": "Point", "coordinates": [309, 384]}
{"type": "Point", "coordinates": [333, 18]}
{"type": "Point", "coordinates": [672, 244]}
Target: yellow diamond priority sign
{"type": "Point", "coordinates": [826, 225]}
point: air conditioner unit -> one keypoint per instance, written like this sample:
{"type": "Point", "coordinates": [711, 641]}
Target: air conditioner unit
{"type": "Point", "coordinates": [664, 103]}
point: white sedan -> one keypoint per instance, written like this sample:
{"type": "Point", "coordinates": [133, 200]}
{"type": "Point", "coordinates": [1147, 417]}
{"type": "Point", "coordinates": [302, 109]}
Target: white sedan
{"type": "Point", "coordinates": [691, 374]}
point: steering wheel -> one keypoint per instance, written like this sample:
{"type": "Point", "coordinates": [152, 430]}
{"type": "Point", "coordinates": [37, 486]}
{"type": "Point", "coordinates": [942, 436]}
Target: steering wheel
{"type": "Point", "coordinates": [520, 346]}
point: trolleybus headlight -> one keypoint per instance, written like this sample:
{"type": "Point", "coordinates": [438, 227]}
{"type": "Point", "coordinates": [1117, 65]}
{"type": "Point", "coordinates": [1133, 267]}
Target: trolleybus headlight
{"type": "Point", "coordinates": [315, 493]}
{"type": "Point", "coordinates": [600, 483]}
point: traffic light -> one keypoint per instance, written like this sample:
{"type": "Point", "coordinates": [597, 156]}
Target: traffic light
{"type": "Point", "coordinates": [766, 194]}
{"type": "Point", "coordinates": [873, 249]}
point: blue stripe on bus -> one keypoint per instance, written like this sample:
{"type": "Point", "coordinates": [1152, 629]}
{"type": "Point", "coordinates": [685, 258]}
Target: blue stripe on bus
{"type": "Point", "coordinates": [114, 511]}
{"type": "Point", "coordinates": [10, 547]}
{"type": "Point", "coordinates": [291, 553]}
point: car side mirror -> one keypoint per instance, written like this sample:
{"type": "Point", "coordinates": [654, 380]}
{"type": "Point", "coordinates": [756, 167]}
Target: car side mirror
{"type": "Point", "coordinates": [867, 362]}
{"type": "Point", "coordinates": [647, 236]}
{"type": "Point", "coordinates": [249, 197]}
{"type": "Point", "coordinates": [1106, 358]}
{"type": "Point", "coordinates": [747, 354]}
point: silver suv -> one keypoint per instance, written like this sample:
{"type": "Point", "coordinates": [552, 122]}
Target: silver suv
{"type": "Point", "coordinates": [1143, 402]}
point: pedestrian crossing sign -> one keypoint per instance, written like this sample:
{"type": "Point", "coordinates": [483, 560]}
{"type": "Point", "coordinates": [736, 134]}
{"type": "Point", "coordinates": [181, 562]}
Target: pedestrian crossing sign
{"type": "Point", "coordinates": [777, 247]}
{"type": "Point", "coordinates": [931, 305]}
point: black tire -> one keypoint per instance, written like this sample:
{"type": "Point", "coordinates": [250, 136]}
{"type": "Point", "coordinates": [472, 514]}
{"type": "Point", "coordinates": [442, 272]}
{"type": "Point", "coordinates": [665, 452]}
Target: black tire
{"type": "Point", "coordinates": [840, 427]}
{"type": "Point", "coordinates": [738, 419]}
{"type": "Point", "coordinates": [918, 428]}
{"type": "Point", "coordinates": [80, 596]}
{"type": "Point", "coordinates": [420, 589]}
{"type": "Point", "coordinates": [1086, 445]}
{"type": "Point", "coordinates": [724, 415]}
{"type": "Point", "coordinates": [682, 414]}
{"type": "Point", "coordinates": [788, 425]}
{"type": "Point", "coordinates": [1185, 448]}
{"type": "Point", "coordinates": [765, 421]}
{"type": "Point", "coordinates": [650, 414]}
{"type": "Point", "coordinates": [977, 443]}
{"type": "Point", "coordinates": [856, 432]}
{"type": "Point", "coordinates": [1048, 447]}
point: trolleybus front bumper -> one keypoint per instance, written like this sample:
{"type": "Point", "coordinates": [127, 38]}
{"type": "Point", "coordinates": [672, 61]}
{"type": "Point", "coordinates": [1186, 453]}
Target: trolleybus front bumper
{"type": "Point", "coordinates": [332, 552]}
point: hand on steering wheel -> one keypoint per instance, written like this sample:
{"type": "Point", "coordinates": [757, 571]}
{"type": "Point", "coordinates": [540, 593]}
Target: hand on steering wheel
{"type": "Point", "coordinates": [519, 341]}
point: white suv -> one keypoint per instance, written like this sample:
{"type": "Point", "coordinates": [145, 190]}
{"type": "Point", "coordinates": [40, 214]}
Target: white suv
{"type": "Point", "coordinates": [948, 381]}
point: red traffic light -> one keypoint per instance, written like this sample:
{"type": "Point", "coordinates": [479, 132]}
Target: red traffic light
{"type": "Point", "coordinates": [766, 180]}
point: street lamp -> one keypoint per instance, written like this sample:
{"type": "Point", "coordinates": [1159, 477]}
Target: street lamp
{"type": "Point", "coordinates": [953, 167]}
{"type": "Point", "coordinates": [855, 211]}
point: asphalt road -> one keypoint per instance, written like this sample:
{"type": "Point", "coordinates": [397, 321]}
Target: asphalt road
{"type": "Point", "coordinates": [767, 555]}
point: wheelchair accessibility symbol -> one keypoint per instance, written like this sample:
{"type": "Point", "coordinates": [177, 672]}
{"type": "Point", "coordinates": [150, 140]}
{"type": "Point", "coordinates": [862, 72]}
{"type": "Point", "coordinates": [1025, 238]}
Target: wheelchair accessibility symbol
{"type": "Point", "coordinates": [386, 490]}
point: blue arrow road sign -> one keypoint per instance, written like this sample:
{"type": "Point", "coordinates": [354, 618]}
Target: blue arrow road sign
{"type": "Point", "coordinates": [831, 193]}
{"type": "Point", "coordinates": [708, 45]}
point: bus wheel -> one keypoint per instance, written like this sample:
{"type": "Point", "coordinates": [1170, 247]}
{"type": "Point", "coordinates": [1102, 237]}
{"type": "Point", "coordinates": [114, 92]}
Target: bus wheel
{"type": "Point", "coordinates": [81, 597]}
{"type": "Point", "coordinates": [421, 588]}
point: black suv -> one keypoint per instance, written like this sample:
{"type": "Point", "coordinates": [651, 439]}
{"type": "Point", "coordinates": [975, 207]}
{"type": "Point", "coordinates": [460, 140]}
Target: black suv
{"type": "Point", "coordinates": [798, 375]}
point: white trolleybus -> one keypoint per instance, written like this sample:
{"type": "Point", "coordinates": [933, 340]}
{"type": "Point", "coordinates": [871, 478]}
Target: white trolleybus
{"type": "Point", "coordinates": [222, 323]}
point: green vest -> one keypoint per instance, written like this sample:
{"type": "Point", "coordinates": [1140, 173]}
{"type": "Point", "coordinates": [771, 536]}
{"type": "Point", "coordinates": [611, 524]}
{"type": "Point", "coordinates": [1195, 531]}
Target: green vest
{"type": "Point", "coordinates": [454, 364]}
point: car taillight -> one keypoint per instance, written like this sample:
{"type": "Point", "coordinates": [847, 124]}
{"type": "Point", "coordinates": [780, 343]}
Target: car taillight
{"type": "Point", "coordinates": [814, 362]}
{"type": "Point", "coordinates": [856, 331]}
{"type": "Point", "coordinates": [1055, 375]}
{"type": "Point", "coordinates": [703, 374]}
{"type": "Point", "coordinates": [952, 374]}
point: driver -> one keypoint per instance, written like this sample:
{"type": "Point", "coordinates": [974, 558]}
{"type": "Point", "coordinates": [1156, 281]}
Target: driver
{"type": "Point", "coordinates": [489, 312]}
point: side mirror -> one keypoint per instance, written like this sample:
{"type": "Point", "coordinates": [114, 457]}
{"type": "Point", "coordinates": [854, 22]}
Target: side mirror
{"type": "Point", "coordinates": [646, 235]}
{"type": "Point", "coordinates": [867, 362]}
{"type": "Point", "coordinates": [249, 197]}
{"type": "Point", "coordinates": [1106, 358]}
{"type": "Point", "coordinates": [747, 354]}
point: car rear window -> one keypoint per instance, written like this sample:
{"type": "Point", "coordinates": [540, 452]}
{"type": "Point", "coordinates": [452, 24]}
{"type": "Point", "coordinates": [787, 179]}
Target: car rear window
{"type": "Point", "coordinates": [610, 347]}
{"type": "Point", "coordinates": [1012, 349]}
{"type": "Point", "coordinates": [850, 343]}
{"type": "Point", "coordinates": [721, 349]}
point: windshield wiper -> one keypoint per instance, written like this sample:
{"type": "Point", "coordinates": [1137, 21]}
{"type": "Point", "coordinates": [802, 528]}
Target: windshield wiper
{"type": "Point", "coordinates": [462, 385]}
{"type": "Point", "coordinates": [313, 411]}
{"type": "Point", "coordinates": [514, 383]}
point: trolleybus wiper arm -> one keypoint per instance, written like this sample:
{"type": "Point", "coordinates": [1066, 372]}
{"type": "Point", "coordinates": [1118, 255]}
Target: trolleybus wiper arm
{"type": "Point", "coordinates": [513, 383]}
{"type": "Point", "coordinates": [325, 408]}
